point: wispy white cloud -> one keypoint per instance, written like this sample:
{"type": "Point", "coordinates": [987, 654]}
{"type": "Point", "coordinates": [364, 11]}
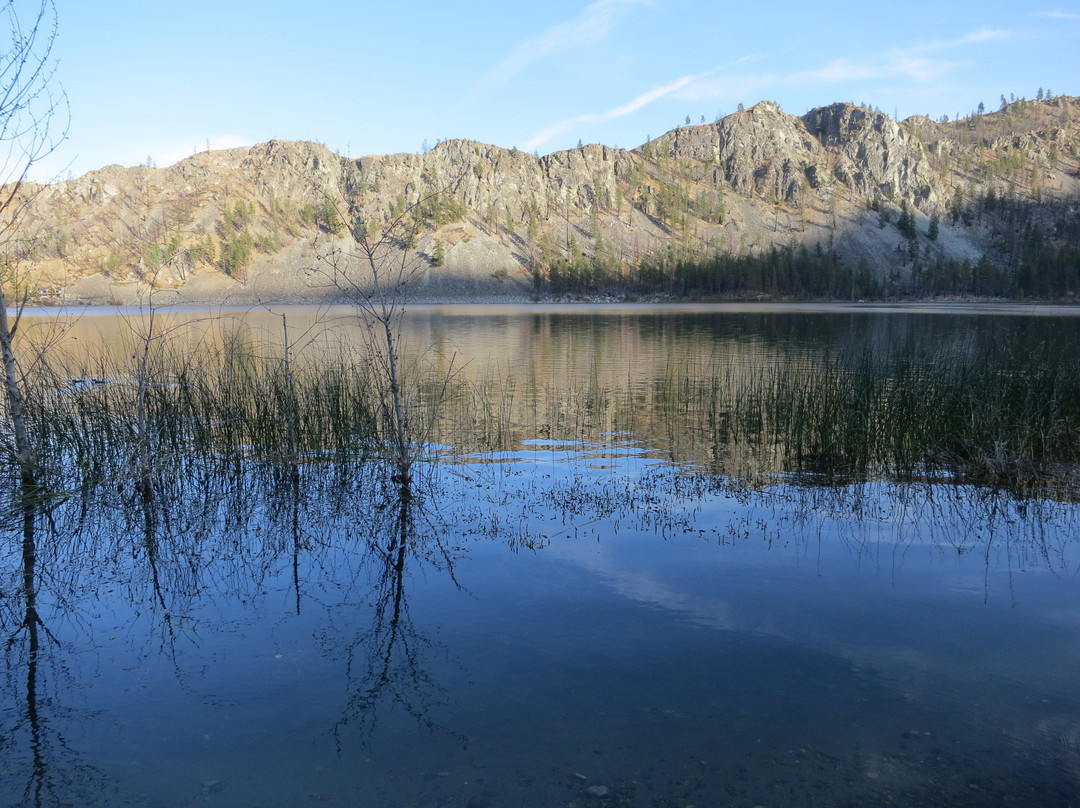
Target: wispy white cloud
{"type": "Point", "coordinates": [590, 26]}
{"type": "Point", "coordinates": [546, 134]}
{"type": "Point", "coordinates": [982, 35]}
{"type": "Point", "coordinates": [672, 88]}
{"type": "Point", "coordinates": [1058, 15]}
{"type": "Point", "coordinates": [167, 155]}
{"type": "Point", "coordinates": [918, 68]}
{"type": "Point", "coordinates": [924, 63]}
{"type": "Point", "coordinates": [914, 62]}
{"type": "Point", "coordinates": [727, 89]}
{"type": "Point", "coordinates": [841, 71]}
{"type": "Point", "coordinates": [838, 70]}
{"type": "Point", "coordinates": [641, 101]}
{"type": "Point", "coordinates": [912, 67]}
{"type": "Point", "coordinates": [648, 97]}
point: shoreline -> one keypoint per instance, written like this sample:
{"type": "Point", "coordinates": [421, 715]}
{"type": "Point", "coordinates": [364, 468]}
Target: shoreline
{"type": "Point", "coordinates": [556, 306]}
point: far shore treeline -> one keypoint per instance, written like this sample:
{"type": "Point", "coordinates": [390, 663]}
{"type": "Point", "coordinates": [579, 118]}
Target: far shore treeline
{"type": "Point", "coordinates": [1036, 270]}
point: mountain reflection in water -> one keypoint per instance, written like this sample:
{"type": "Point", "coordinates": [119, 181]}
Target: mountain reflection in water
{"type": "Point", "coordinates": [577, 603]}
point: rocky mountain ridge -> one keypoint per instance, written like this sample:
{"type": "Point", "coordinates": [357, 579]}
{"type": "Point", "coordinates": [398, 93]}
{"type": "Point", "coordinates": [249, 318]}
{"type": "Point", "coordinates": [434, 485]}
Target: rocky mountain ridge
{"type": "Point", "coordinates": [256, 224]}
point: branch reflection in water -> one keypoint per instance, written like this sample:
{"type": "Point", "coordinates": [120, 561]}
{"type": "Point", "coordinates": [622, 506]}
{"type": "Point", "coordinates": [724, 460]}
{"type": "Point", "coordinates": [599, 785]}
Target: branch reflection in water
{"type": "Point", "coordinates": [39, 611]}
{"type": "Point", "coordinates": [180, 559]}
{"type": "Point", "coordinates": [386, 663]}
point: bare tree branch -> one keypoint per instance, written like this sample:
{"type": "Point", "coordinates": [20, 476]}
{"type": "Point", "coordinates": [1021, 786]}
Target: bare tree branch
{"type": "Point", "coordinates": [30, 108]}
{"type": "Point", "coordinates": [374, 270]}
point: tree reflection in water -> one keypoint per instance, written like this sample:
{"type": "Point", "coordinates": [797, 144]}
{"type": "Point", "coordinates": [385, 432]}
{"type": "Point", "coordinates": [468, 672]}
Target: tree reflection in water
{"type": "Point", "coordinates": [32, 627]}
{"type": "Point", "coordinates": [386, 665]}
{"type": "Point", "coordinates": [33, 726]}
{"type": "Point", "coordinates": [171, 551]}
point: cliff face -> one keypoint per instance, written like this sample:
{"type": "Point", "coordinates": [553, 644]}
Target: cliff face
{"type": "Point", "coordinates": [254, 224]}
{"type": "Point", "coordinates": [874, 154]}
{"type": "Point", "coordinates": [760, 151]}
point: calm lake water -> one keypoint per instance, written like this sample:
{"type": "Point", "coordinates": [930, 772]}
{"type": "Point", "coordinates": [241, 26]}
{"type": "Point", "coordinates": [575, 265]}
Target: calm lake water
{"type": "Point", "coordinates": [592, 600]}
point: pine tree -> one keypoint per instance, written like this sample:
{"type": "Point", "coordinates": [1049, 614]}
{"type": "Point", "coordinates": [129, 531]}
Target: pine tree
{"type": "Point", "coordinates": [906, 224]}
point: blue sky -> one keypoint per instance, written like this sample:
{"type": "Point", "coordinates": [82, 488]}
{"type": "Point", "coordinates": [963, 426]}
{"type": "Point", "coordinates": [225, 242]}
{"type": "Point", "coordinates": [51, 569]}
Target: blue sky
{"type": "Point", "coordinates": [161, 80]}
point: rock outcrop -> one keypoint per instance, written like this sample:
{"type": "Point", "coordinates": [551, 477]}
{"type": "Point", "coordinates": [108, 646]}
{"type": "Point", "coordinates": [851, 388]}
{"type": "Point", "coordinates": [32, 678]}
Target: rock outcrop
{"type": "Point", "coordinates": [255, 223]}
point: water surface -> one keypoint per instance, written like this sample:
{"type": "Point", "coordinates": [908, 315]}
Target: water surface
{"type": "Point", "coordinates": [583, 605]}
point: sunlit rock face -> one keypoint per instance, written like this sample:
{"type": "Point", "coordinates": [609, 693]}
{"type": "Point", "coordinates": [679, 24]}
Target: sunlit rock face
{"type": "Point", "coordinates": [254, 221]}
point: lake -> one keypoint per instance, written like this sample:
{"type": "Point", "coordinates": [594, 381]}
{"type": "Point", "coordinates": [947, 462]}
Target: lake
{"type": "Point", "coordinates": [653, 556]}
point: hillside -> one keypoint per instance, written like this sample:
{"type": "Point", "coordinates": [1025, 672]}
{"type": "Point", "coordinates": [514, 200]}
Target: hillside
{"type": "Point", "coordinates": [989, 204]}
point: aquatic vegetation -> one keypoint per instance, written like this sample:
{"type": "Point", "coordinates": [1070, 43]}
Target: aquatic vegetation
{"type": "Point", "coordinates": [989, 413]}
{"type": "Point", "coordinates": [999, 419]}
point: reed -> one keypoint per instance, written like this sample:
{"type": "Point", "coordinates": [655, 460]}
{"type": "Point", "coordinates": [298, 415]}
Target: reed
{"type": "Point", "coordinates": [985, 413]}
{"type": "Point", "coordinates": [996, 418]}
{"type": "Point", "coordinates": [178, 407]}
